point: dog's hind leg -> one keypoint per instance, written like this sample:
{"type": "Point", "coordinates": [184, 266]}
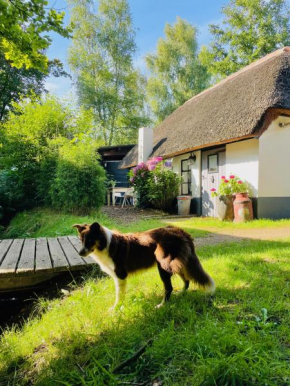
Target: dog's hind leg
{"type": "Point", "coordinates": [185, 281]}
{"type": "Point", "coordinates": [166, 278]}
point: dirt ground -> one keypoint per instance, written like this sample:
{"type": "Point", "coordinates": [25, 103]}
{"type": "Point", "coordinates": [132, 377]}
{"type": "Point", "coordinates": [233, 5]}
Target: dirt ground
{"type": "Point", "coordinates": [131, 214]}
{"type": "Point", "coordinates": [236, 235]}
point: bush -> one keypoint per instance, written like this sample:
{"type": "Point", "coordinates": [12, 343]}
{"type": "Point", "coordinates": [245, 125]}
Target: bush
{"type": "Point", "coordinates": [163, 187]}
{"type": "Point", "coordinates": [38, 148]}
{"type": "Point", "coordinates": [79, 183]}
{"type": "Point", "coordinates": [155, 184]}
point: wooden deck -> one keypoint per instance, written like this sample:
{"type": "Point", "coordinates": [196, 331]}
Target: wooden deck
{"type": "Point", "coordinates": [28, 262]}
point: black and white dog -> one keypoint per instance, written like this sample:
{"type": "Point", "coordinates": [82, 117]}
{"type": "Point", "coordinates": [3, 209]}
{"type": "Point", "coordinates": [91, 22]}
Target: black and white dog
{"type": "Point", "coordinates": [171, 248]}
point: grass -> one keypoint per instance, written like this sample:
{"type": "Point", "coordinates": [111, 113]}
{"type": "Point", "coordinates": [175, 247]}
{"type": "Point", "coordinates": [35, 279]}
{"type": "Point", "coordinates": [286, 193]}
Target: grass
{"type": "Point", "coordinates": [209, 223]}
{"type": "Point", "coordinates": [50, 223]}
{"type": "Point", "coordinates": [240, 336]}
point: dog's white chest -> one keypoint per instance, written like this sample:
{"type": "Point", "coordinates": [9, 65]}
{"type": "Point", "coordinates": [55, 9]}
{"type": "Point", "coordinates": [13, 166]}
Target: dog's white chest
{"type": "Point", "coordinates": [105, 261]}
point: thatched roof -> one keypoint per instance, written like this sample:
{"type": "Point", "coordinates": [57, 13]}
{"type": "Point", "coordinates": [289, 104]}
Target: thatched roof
{"type": "Point", "coordinates": [234, 109]}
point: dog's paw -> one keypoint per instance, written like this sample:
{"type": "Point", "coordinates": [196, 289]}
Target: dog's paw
{"type": "Point", "coordinates": [160, 305]}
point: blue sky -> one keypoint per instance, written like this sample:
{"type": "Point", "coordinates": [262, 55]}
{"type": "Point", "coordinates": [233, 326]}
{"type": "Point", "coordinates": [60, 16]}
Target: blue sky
{"type": "Point", "coordinates": [149, 18]}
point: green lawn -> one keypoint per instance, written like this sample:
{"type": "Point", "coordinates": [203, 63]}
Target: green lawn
{"type": "Point", "coordinates": [240, 336]}
{"type": "Point", "coordinates": [50, 223]}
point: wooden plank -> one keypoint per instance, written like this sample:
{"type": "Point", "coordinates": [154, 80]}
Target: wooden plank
{"type": "Point", "coordinates": [71, 254]}
{"type": "Point", "coordinates": [77, 244]}
{"type": "Point", "coordinates": [27, 258]}
{"type": "Point", "coordinates": [9, 264]}
{"type": "Point", "coordinates": [42, 258]}
{"type": "Point", "coordinates": [4, 247]}
{"type": "Point", "coordinates": [59, 260]}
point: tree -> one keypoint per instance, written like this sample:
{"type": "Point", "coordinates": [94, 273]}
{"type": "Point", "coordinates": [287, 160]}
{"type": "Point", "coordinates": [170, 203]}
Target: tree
{"type": "Point", "coordinates": [30, 143]}
{"type": "Point", "coordinates": [176, 72]}
{"type": "Point", "coordinates": [22, 27]}
{"type": "Point", "coordinates": [100, 57]}
{"type": "Point", "coordinates": [250, 30]}
{"type": "Point", "coordinates": [18, 82]}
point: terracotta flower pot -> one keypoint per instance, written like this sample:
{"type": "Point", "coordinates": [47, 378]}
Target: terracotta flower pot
{"type": "Point", "coordinates": [243, 207]}
{"type": "Point", "coordinates": [225, 208]}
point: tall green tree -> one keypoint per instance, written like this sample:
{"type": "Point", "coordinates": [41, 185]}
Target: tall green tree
{"type": "Point", "coordinates": [101, 59]}
{"type": "Point", "coordinates": [38, 134]}
{"type": "Point", "coordinates": [250, 30]}
{"type": "Point", "coordinates": [176, 73]}
{"type": "Point", "coordinates": [18, 82]}
{"type": "Point", "coordinates": [22, 27]}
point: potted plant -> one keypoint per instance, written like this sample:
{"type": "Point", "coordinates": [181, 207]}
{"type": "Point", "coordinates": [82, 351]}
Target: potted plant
{"type": "Point", "coordinates": [225, 199]}
{"type": "Point", "coordinates": [233, 200]}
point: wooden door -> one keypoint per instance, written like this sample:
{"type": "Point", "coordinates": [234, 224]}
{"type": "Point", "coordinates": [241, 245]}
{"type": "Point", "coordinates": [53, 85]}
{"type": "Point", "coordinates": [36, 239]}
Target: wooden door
{"type": "Point", "coordinates": [212, 168]}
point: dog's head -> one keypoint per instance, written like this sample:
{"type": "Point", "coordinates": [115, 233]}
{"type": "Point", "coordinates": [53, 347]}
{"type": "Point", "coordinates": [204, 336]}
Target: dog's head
{"type": "Point", "coordinates": [93, 238]}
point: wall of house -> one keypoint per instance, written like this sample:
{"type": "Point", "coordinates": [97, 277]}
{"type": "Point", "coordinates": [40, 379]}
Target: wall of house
{"type": "Point", "coordinates": [242, 159]}
{"type": "Point", "coordinates": [195, 178]}
{"type": "Point", "coordinates": [274, 170]}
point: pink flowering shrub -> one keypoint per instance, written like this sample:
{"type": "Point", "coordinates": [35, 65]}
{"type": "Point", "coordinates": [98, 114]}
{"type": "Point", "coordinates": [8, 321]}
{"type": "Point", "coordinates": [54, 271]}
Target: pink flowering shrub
{"type": "Point", "coordinates": [230, 186]}
{"type": "Point", "coordinates": [155, 184]}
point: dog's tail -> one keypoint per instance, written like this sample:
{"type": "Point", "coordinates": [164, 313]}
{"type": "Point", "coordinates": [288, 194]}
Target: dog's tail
{"type": "Point", "coordinates": [191, 269]}
{"type": "Point", "coordinates": [195, 272]}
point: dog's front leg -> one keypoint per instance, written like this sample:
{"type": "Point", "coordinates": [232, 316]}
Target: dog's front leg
{"type": "Point", "coordinates": [120, 285]}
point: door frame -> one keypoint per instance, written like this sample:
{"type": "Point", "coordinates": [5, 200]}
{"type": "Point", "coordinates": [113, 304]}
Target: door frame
{"type": "Point", "coordinates": [213, 150]}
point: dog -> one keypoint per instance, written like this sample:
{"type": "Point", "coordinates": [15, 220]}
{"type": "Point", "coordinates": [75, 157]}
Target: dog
{"type": "Point", "coordinates": [117, 254]}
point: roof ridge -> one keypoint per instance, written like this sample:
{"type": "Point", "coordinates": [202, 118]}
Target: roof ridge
{"type": "Point", "coordinates": [246, 68]}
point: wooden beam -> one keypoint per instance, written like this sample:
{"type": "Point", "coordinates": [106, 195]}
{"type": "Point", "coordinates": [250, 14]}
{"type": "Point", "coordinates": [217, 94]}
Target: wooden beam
{"type": "Point", "coordinates": [26, 262]}
{"type": "Point", "coordinates": [42, 258]}
{"type": "Point", "coordinates": [9, 264]}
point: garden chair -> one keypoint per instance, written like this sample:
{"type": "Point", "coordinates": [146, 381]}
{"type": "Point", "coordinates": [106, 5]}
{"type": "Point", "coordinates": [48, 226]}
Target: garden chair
{"type": "Point", "coordinates": [129, 195]}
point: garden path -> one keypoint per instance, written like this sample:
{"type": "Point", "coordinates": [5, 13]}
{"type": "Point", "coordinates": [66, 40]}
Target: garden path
{"type": "Point", "coordinates": [219, 236]}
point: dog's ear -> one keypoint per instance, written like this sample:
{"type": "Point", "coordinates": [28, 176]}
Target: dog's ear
{"type": "Point", "coordinates": [95, 227]}
{"type": "Point", "coordinates": [80, 227]}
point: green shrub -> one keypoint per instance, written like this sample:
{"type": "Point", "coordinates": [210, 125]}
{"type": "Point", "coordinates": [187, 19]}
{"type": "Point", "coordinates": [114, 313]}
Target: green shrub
{"type": "Point", "coordinates": [79, 183]}
{"type": "Point", "coordinates": [155, 184]}
{"type": "Point", "coordinates": [37, 142]}
{"type": "Point", "coordinates": [163, 187]}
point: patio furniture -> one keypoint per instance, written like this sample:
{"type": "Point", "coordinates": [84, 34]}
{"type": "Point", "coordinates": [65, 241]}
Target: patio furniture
{"type": "Point", "coordinates": [129, 194]}
{"type": "Point", "coordinates": [118, 192]}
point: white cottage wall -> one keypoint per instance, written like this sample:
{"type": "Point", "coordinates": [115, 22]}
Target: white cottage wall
{"type": "Point", "coordinates": [242, 159]}
{"type": "Point", "coordinates": [274, 170]}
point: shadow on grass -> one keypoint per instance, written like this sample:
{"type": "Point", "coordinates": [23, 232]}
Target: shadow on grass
{"type": "Point", "coordinates": [197, 339]}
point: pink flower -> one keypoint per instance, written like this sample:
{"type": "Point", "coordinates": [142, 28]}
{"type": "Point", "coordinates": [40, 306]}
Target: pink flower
{"type": "Point", "coordinates": [240, 182]}
{"type": "Point", "coordinates": [223, 177]}
{"type": "Point", "coordinates": [232, 176]}
{"type": "Point", "coordinates": [151, 167]}
{"type": "Point", "coordinates": [226, 181]}
{"type": "Point", "coordinates": [213, 190]}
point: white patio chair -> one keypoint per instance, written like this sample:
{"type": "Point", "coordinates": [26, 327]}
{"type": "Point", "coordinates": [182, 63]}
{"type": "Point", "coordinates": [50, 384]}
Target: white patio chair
{"type": "Point", "coordinates": [129, 194]}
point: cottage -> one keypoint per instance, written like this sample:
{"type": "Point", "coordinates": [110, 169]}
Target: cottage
{"type": "Point", "coordinates": [111, 157]}
{"type": "Point", "coordinates": [239, 126]}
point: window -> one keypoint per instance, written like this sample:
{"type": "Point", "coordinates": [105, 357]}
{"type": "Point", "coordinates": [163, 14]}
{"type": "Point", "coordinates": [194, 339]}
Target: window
{"type": "Point", "coordinates": [212, 163]}
{"type": "Point", "coordinates": [186, 178]}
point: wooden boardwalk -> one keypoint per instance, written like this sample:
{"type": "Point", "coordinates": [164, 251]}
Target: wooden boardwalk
{"type": "Point", "coordinates": [28, 262]}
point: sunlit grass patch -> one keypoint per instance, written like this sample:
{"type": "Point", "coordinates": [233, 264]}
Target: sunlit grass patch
{"type": "Point", "coordinates": [239, 336]}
